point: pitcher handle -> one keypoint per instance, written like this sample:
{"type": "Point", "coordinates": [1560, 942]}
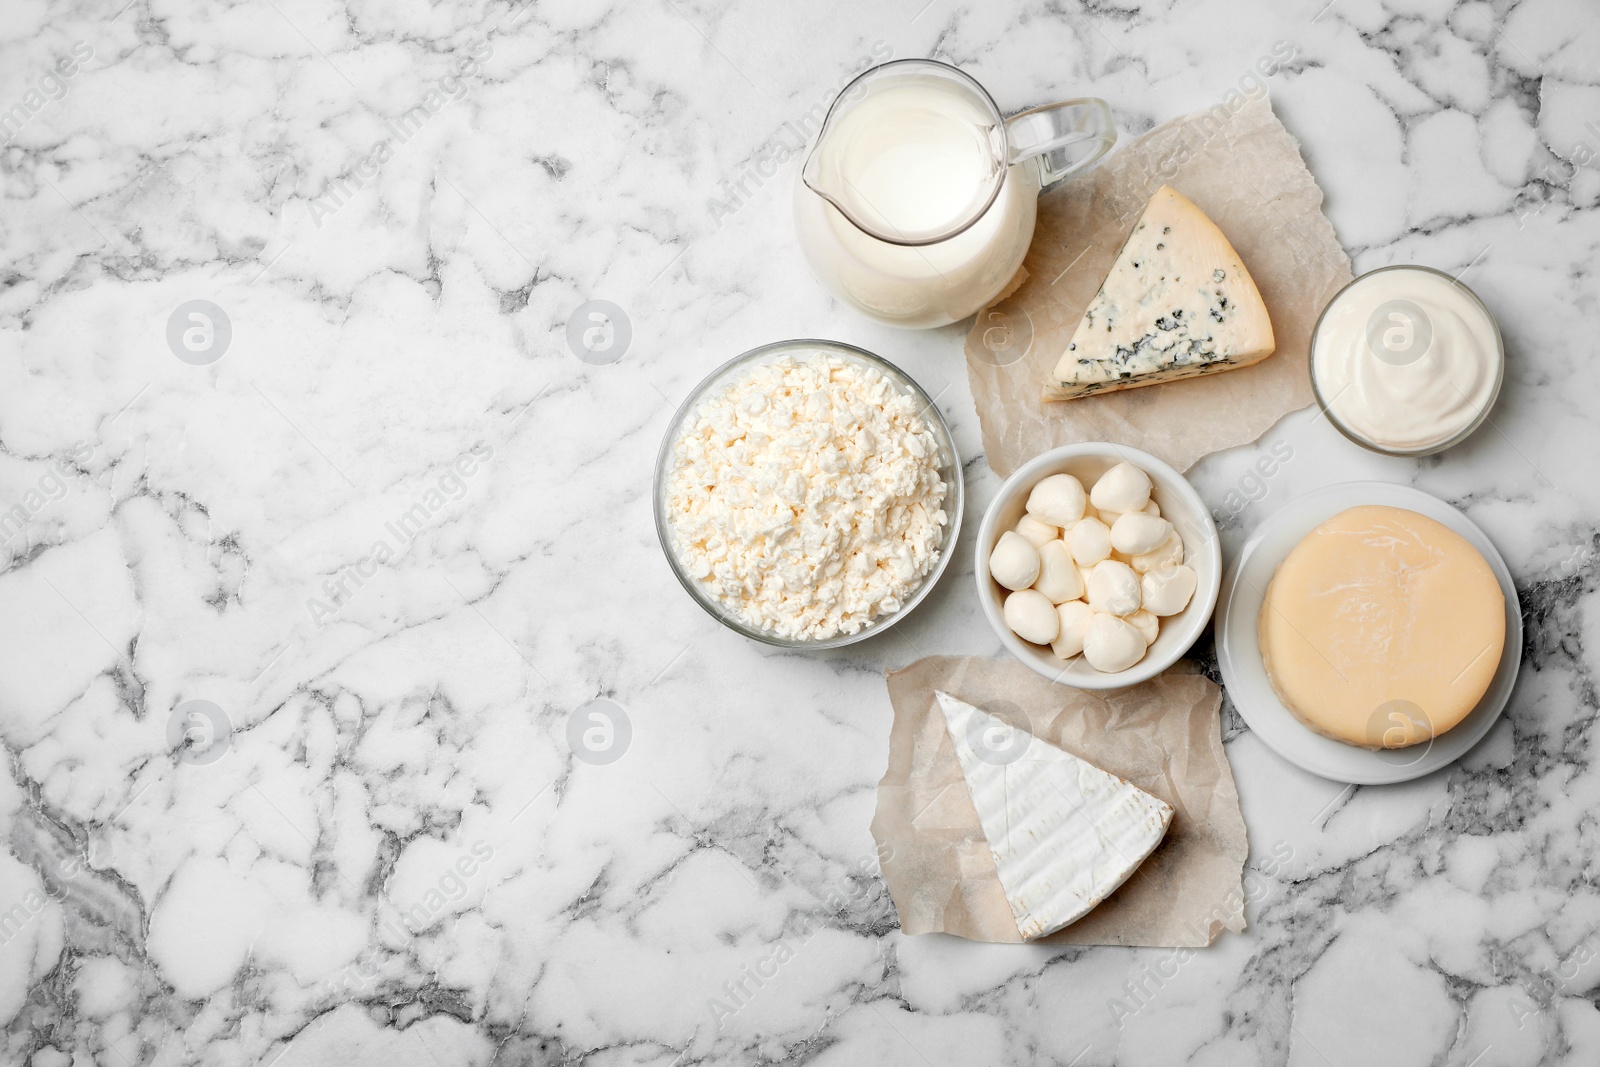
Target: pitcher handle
{"type": "Point", "coordinates": [1063, 138]}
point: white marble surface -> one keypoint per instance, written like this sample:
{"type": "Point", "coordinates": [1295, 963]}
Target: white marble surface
{"type": "Point", "coordinates": [396, 858]}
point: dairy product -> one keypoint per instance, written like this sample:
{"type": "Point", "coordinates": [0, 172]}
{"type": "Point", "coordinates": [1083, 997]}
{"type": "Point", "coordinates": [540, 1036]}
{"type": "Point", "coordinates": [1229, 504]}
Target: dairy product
{"type": "Point", "coordinates": [912, 157]}
{"type": "Point", "coordinates": [806, 496]}
{"type": "Point", "coordinates": [1122, 488]}
{"type": "Point", "coordinates": [1168, 552]}
{"type": "Point", "coordinates": [1113, 588]}
{"type": "Point", "coordinates": [1112, 644]}
{"type": "Point", "coordinates": [1014, 563]}
{"type": "Point", "coordinates": [1063, 833]}
{"type": "Point", "coordinates": [1177, 302]}
{"type": "Point", "coordinates": [1135, 533]}
{"type": "Point", "coordinates": [1406, 359]}
{"type": "Point", "coordinates": [1073, 620]}
{"type": "Point", "coordinates": [1107, 607]}
{"type": "Point", "coordinates": [1058, 499]}
{"type": "Point", "coordinates": [1031, 616]}
{"type": "Point", "coordinates": [1167, 590]}
{"type": "Point", "coordinates": [1089, 540]}
{"type": "Point", "coordinates": [1037, 533]}
{"type": "Point", "coordinates": [1146, 622]}
{"type": "Point", "coordinates": [1382, 628]}
{"type": "Point", "coordinates": [916, 156]}
{"type": "Point", "coordinates": [1058, 573]}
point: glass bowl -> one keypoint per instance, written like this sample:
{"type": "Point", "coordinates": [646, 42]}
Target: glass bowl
{"type": "Point", "coordinates": [1326, 403]}
{"type": "Point", "coordinates": [949, 471]}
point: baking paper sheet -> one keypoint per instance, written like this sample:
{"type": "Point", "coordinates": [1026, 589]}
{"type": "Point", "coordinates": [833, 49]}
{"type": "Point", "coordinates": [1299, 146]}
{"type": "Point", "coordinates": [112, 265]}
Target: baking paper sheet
{"type": "Point", "coordinates": [1243, 169]}
{"type": "Point", "coordinates": [1163, 736]}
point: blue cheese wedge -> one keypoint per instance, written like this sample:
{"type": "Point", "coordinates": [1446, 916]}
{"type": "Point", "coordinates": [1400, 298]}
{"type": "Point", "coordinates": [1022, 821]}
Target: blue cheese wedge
{"type": "Point", "coordinates": [1178, 302]}
{"type": "Point", "coordinates": [1064, 834]}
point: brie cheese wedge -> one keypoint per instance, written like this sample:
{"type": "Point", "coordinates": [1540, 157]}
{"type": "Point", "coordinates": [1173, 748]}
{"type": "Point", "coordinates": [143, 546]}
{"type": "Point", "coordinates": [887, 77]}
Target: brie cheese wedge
{"type": "Point", "coordinates": [1064, 834]}
{"type": "Point", "coordinates": [1178, 302]}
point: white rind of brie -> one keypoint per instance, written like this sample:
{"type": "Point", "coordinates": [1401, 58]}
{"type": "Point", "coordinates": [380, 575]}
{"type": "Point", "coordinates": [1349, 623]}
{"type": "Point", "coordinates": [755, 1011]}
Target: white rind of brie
{"type": "Point", "coordinates": [1064, 834]}
{"type": "Point", "coordinates": [1178, 302]}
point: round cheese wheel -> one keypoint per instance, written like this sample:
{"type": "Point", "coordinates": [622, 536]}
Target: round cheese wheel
{"type": "Point", "coordinates": [1382, 628]}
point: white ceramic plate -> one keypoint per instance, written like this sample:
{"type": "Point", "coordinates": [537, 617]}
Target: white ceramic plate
{"type": "Point", "coordinates": [1239, 651]}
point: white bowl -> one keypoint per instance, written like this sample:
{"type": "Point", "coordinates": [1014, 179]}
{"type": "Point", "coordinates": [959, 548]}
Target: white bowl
{"type": "Point", "coordinates": [1179, 504]}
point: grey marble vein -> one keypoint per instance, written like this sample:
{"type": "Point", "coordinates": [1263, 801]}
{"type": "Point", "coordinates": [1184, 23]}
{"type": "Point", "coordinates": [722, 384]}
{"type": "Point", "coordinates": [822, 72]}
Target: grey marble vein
{"type": "Point", "coordinates": [398, 539]}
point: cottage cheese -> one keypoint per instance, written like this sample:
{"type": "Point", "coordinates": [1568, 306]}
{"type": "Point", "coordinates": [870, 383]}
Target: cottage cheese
{"type": "Point", "coordinates": [806, 496]}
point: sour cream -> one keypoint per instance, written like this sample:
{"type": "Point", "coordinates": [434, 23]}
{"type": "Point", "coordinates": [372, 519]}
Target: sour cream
{"type": "Point", "coordinates": [1406, 360]}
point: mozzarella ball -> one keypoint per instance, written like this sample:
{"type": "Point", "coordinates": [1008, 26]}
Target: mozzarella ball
{"type": "Point", "coordinates": [1014, 563]}
{"type": "Point", "coordinates": [1166, 591]}
{"type": "Point", "coordinates": [1073, 617]}
{"type": "Point", "coordinates": [1036, 531]}
{"type": "Point", "coordinates": [1122, 488]}
{"type": "Point", "coordinates": [1058, 574]}
{"type": "Point", "coordinates": [1112, 644]}
{"type": "Point", "coordinates": [1113, 588]}
{"type": "Point", "coordinates": [1058, 500]}
{"type": "Point", "coordinates": [1031, 616]}
{"type": "Point", "coordinates": [1168, 553]}
{"type": "Point", "coordinates": [1147, 625]}
{"type": "Point", "coordinates": [1089, 540]}
{"type": "Point", "coordinates": [1136, 533]}
{"type": "Point", "coordinates": [1152, 508]}
{"type": "Point", "coordinates": [1108, 517]}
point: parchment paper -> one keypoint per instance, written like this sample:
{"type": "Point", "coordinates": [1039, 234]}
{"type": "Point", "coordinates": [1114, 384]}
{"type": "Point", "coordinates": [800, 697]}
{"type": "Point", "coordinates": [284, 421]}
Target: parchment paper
{"type": "Point", "coordinates": [1164, 736]}
{"type": "Point", "coordinates": [1243, 169]}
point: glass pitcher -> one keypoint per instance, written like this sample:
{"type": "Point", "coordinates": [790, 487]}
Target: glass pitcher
{"type": "Point", "coordinates": [917, 199]}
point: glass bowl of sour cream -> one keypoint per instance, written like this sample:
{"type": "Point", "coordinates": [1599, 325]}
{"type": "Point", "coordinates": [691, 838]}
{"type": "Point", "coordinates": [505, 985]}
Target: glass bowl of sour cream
{"type": "Point", "coordinates": [1406, 361]}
